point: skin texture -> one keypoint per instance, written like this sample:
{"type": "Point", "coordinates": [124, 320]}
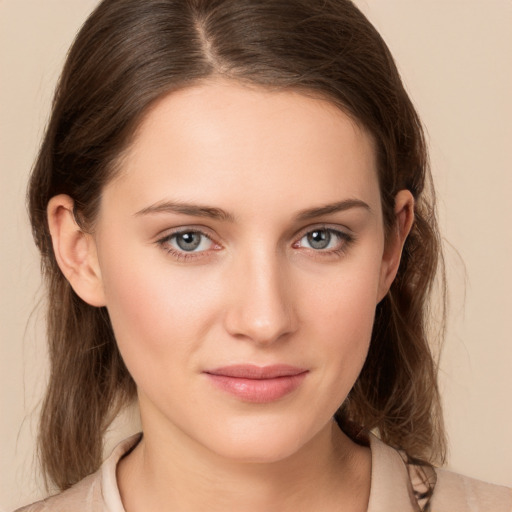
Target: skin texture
{"type": "Point", "coordinates": [255, 291]}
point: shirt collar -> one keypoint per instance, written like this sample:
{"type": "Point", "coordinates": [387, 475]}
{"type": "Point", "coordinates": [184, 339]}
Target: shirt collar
{"type": "Point", "coordinates": [390, 484]}
{"type": "Point", "coordinates": [391, 487]}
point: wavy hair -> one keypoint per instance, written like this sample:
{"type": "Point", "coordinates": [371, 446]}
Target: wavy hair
{"type": "Point", "coordinates": [128, 54]}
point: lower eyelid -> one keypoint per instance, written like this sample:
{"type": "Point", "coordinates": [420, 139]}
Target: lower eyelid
{"type": "Point", "coordinates": [169, 247]}
{"type": "Point", "coordinates": [343, 238]}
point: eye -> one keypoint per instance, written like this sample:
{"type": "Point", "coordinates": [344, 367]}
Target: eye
{"type": "Point", "coordinates": [187, 243]}
{"type": "Point", "coordinates": [325, 239]}
{"type": "Point", "coordinates": [319, 239]}
{"type": "Point", "coordinates": [190, 241]}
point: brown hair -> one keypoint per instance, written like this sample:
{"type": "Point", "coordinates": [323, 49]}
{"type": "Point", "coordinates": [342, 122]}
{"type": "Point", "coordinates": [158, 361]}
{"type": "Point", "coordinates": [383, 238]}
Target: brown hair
{"type": "Point", "coordinates": [127, 55]}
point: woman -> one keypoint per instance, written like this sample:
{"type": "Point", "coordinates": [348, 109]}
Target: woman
{"type": "Point", "coordinates": [232, 206]}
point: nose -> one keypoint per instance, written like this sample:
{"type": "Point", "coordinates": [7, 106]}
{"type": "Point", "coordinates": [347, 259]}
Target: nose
{"type": "Point", "coordinates": [261, 305]}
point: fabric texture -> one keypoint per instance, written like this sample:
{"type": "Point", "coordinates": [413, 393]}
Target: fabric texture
{"type": "Point", "coordinates": [397, 484]}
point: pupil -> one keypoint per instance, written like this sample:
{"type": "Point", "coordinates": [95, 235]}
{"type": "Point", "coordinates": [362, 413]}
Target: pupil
{"type": "Point", "coordinates": [319, 239]}
{"type": "Point", "coordinates": [188, 241]}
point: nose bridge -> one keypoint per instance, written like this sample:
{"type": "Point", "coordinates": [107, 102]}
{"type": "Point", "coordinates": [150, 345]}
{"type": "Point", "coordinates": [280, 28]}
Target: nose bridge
{"type": "Point", "coordinates": [261, 308]}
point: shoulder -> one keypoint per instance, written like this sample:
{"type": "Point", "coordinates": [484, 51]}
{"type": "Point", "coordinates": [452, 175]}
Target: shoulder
{"type": "Point", "coordinates": [454, 493]}
{"type": "Point", "coordinates": [85, 496]}
{"type": "Point", "coordinates": [97, 492]}
{"type": "Point", "coordinates": [401, 484]}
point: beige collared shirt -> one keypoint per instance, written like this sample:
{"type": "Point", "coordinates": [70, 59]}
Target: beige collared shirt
{"type": "Point", "coordinates": [391, 488]}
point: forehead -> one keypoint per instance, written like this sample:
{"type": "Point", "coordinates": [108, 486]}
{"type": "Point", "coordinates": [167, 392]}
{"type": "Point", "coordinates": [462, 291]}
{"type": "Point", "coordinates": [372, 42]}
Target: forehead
{"type": "Point", "coordinates": [218, 141]}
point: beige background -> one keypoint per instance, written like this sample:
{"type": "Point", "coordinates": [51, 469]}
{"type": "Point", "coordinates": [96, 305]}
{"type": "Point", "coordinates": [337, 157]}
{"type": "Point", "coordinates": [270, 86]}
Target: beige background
{"type": "Point", "coordinates": [455, 57]}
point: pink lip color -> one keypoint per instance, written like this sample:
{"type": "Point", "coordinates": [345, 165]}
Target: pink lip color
{"type": "Point", "coordinates": [257, 384]}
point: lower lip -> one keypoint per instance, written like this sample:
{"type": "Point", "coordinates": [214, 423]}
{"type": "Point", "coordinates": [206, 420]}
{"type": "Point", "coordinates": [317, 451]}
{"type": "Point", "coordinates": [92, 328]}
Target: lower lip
{"type": "Point", "coordinates": [258, 390]}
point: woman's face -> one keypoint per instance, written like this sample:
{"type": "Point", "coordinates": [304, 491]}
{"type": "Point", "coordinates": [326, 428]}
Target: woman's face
{"type": "Point", "coordinates": [241, 252]}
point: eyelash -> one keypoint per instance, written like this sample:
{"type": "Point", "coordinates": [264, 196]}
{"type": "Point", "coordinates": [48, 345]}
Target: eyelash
{"type": "Point", "coordinates": [183, 255]}
{"type": "Point", "coordinates": [345, 239]}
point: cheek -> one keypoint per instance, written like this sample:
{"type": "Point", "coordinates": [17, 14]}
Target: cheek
{"type": "Point", "coordinates": [342, 316]}
{"type": "Point", "coordinates": [350, 334]}
{"type": "Point", "coordinates": [158, 316]}
{"type": "Point", "coordinates": [345, 299]}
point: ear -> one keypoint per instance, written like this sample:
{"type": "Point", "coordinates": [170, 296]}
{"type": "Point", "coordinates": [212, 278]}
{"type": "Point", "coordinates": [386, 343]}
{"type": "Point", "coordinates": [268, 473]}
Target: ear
{"type": "Point", "coordinates": [404, 218]}
{"type": "Point", "coordinates": [75, 251]}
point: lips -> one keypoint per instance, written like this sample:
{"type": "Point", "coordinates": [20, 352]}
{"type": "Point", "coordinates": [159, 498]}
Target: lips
{"type": "Point", "coordinates": [257, 384]}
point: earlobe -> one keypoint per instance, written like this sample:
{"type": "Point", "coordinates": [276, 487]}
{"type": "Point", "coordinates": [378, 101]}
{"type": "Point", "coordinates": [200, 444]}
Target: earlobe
{"type": "Point", "coordinates": [75, 251]}
{"type": "Point", "coordinates": [404, 218]}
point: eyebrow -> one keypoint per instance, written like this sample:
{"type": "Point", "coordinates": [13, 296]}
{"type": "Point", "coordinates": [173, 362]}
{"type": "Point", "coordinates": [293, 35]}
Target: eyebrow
{"type": "Point", "coordinates": [188, 209]}
{"type": "Point", "coordinates": [222, 215]}
{"type": "Point", "coordinates": [327, 209]}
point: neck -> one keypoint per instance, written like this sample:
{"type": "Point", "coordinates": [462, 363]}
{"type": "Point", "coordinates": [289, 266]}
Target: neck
{"type": "Point", "coordinates": [166, 474]}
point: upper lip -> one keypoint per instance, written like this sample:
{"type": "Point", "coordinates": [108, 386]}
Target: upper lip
{"type": "Point", "coordinates": [251, 371]}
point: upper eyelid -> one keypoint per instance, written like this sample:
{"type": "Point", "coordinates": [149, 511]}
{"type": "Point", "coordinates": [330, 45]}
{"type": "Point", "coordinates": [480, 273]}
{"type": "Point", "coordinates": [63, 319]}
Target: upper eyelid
{"type": "Point", "coordinates": [328, 227]}
{"type": "Point", "coordinates": [164, 243]}
{"type": "Point", "coordinates": [170, 232]}
{"type": "Point", "coordinates": [342, 235]}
